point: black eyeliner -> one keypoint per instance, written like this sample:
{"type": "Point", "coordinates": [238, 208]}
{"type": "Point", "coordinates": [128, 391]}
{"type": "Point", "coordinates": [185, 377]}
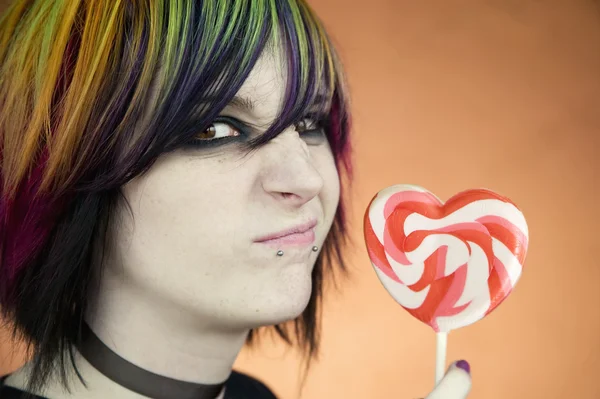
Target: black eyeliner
{"type": "Point", "coordinates": [245, 132]}
{"type": "Point", "coordinates": [235, 123]}
{"type": "Point", "coordinates": [318, 133]}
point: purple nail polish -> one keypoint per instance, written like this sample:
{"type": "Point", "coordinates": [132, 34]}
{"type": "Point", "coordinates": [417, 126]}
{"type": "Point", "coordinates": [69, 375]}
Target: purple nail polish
{"type": "Point", "coordinates": [463, 364]}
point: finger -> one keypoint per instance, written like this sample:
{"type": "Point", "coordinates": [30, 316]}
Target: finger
{"type": "Point", "coordinates": [456, 384]}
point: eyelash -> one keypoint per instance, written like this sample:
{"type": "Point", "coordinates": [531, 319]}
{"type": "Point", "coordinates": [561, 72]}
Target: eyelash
{"type": "Point", "coordinates": [233, 123]}
{"type": "Point", "coordinates": [244, 130]}
{"type": "Point", "coordinates": [318, 120]}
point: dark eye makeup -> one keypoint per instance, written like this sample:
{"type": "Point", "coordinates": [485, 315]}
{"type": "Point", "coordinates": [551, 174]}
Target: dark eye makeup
{"type": "Point", "coordinates": [241, 132]}
{"type": "Point", "coordinates": [311, 128]}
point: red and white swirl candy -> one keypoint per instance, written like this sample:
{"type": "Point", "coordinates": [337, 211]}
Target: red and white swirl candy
{"type": "Point", "coordinates": [448, 264]}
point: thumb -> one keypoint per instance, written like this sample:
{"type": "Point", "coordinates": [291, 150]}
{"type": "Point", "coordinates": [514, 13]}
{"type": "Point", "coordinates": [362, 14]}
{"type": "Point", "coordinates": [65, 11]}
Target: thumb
{"type": "Point", "coordinates": [456, 384]}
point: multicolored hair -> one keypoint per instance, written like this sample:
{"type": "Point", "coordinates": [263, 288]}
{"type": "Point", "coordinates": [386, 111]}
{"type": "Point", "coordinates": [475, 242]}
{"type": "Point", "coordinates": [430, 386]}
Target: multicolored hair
{"type": "Point", "coordinates": [75, 79]}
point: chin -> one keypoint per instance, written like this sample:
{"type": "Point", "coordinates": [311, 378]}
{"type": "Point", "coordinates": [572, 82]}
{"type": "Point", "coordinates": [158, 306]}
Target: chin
{"type": "Point", "coordinates": [283, 302]}
{"type": "Point", "coordinates": [279, 317]}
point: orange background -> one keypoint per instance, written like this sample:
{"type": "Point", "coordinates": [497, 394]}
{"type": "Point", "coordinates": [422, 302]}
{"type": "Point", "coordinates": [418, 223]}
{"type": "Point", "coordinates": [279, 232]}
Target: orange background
{"type": "Point", "coordinates": [452, 95]}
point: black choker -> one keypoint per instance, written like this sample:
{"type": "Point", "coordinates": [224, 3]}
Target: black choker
{"type": "Point", "coordinates": [137, 379]}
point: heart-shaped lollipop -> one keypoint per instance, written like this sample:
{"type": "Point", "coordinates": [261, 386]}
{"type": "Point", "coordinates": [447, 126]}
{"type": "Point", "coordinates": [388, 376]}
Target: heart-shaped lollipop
{"type": "Point", "coordinates": [451, 264]}
{"type": "Point", "coordinates": [448, 264]}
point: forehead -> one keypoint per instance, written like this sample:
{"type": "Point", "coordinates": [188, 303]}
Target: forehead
{"type": "Point", "coordinates": [265, 86]}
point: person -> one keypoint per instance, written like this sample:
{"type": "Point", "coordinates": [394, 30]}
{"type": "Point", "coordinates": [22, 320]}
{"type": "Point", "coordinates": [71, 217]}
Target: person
{"type": "Point", "coordinates": [173, 181]}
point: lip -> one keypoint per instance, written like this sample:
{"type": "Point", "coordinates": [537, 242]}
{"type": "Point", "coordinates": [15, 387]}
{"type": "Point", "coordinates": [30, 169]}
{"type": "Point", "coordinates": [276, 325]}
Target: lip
{"type": "Point", "coordinates": [302, 234]}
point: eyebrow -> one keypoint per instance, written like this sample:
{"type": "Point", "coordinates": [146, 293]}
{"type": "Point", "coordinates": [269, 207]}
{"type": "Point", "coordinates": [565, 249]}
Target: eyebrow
{"type": "Point", "coordinates": [247, 104]}
{"type": "Point", "coordinates": [243, 103]}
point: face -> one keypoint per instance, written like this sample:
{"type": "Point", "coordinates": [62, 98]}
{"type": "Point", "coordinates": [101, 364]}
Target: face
{"type": "Point", "coordinates": [203, 216]}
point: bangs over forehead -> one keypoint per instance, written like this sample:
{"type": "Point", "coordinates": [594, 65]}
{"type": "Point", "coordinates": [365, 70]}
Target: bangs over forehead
{"type": "Point", "coordinates": [295, 39]}
{"type": "Point", "coordinates": [291, 33]}
{"type": "Point", "coordinates": [310, 65]}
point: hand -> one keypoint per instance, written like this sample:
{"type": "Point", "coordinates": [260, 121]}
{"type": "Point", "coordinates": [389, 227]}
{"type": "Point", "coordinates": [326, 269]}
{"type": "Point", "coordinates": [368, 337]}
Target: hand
{"type": "Point", "coordinates": [456, 384]}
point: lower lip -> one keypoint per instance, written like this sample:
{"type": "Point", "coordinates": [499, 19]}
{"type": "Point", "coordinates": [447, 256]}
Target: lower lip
{"type": "Point", "coordinates": [306, 238]}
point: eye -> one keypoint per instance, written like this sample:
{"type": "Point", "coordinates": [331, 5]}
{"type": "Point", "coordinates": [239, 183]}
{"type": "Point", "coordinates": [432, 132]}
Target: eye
{"type": "Point", "coordinates": [307, 124]}
{"type": "Point", "coordinates": [222, 131]}
{"type": "Point", "coordinates": [218, 130]}
{"type": "Point", "coordinates": [311, 129]}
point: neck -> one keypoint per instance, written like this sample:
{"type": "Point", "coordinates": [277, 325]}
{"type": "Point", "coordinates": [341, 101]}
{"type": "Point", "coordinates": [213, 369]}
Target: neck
{"type": "Point", "coordinates": [137, 379]}
{"type": "Point", "coordinates": [161, 339]}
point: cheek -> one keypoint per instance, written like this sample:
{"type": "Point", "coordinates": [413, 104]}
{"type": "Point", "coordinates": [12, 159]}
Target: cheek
{"type": "Point", "coordinates": [182, 208]}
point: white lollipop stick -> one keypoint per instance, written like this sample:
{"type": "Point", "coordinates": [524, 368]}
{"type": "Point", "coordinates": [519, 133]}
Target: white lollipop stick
{"type": "Point", "coordinates": [440, 356]}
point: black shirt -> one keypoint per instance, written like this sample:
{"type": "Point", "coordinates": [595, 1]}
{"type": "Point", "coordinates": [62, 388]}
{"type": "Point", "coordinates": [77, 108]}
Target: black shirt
{"type": "Point", "coordinates": [238, 386]}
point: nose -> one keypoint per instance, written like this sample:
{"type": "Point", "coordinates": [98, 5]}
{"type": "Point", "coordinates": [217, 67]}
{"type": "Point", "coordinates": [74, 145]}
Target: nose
{"type": "Point", "coordinates": [289, 173]}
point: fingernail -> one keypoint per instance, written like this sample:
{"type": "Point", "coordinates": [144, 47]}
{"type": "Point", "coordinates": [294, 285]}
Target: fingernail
{"type": "Point", "coordinates": [463, 364]}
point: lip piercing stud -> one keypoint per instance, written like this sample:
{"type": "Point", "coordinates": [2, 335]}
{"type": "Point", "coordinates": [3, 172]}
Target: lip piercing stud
{"type": "Point", "coordinates": [280, 252]}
